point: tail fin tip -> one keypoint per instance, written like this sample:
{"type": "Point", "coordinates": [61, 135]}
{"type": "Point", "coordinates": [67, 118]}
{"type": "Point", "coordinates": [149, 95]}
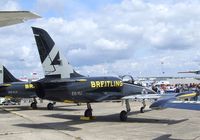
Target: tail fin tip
{"type": "Point", "coordinates": [6, 76]}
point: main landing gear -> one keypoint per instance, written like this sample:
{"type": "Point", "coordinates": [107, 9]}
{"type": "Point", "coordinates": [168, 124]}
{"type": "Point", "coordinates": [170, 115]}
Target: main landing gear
{"type": "Point", "coordinates": [50, 106]}
{"type": "Point", "coordinates": [143, 107]}
{"type": "Point", "coordinates": [123, 114]}
{"type": "Point", "coordinates": [88, 111]}
{"type": "Point", "coordinates": [34, 103]}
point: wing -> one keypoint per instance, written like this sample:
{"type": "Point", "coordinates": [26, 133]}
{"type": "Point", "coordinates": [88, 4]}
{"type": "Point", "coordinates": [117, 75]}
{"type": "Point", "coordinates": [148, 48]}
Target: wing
{"type": "Point", "coordinates": [175, 102]}
{"type": "Point", "coordinates": [14, 17]}
{"type": "Point", "coordinates": [189, 105]}
{"type": "Point", "coordinates": [154, 96]}
{"type": "Point", "coordinates": [142, 96]}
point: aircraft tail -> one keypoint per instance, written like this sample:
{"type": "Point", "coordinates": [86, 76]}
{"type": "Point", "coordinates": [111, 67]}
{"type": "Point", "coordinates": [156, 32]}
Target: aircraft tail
{"type": "Point", "coordinates": [54, 64]}
{"type": "Point", "coordinates": [6, 76]}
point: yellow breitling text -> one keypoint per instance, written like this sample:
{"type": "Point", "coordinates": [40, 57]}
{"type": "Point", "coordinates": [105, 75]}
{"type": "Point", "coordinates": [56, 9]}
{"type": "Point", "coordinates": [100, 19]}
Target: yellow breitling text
{"type": "Point", "coordinates": [99, 84]}
{"type": "Point", "coordinates": [29, 86]}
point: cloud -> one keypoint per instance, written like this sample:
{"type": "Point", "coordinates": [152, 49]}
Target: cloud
{"type": "Point", "coordinates": [130, 36]}
{"type": "Point", "coordinates": [9, 5]}
{"type": "Point", "coordinates": [108, 45]}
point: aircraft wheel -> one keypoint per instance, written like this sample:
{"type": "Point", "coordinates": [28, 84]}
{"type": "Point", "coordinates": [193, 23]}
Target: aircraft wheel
{"type": "Point", "coordinates": [123, 116]}
{"type": "Point", "coordinates": [50, 106]}
{"type": "Point", "coordinates": [34, 105]}
{"type": "Point", "coordinates": [78, 104]}
{"type": "Point", "coordinates": [142, 110]}
{"type": "Point", "coordinates": [88, 113]}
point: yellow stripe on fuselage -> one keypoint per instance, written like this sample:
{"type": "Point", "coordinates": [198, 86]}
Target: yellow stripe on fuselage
{"type": "Point", "coordinates": [82, 80]}
{"type": "Point", "coordinates": [8, 97]}
{"type": "Point", "coordinates": [68, 101]}
{"type": "Point", "coordinates": [6, 85]}
{"type": "Point", "coordinates": [188, 95]}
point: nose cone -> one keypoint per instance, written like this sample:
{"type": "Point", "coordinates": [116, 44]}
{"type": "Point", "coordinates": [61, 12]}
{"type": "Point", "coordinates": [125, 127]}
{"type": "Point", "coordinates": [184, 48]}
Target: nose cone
{"type": "Point", "coordinates": [160, 104]}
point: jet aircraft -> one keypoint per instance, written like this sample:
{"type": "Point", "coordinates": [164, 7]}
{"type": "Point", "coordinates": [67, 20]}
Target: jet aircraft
{"type": "Point", "coordinates": [63, 83]}
{"type": "Point", "coordinates": [12, 87]}
{"type": "Point", "coordinates": [172, 102]}
{"type": "Point", "coordinates": [191, 71]}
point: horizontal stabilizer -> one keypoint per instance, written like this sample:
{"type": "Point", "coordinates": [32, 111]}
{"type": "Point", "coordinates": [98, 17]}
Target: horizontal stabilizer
{"type": "Point", "coordinates": [63, 80]}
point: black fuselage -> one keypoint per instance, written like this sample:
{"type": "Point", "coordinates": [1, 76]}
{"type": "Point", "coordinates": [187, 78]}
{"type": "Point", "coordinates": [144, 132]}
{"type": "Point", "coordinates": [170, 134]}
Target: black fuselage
{"type": "Point", "coordinates": [18, 90]}
{"type": "Point", "coordinates": [85, 89]}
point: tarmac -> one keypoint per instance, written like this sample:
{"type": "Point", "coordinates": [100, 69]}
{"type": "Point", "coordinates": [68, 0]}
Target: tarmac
{"type": "Point", "coordinates": [20, 122]}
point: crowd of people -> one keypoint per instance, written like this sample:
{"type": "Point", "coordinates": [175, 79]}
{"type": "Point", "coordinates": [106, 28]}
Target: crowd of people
{"type": "Point", "coordinates": [177, 88]}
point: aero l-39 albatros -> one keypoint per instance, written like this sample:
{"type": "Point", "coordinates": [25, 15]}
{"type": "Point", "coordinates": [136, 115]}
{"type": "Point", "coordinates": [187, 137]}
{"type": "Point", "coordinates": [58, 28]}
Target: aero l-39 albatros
{"type": "Point", "coordinates": [13, 88]}
{"type": "Point", "coordinates": [63, 83]}
{"type": "Point", "coordinates": [191, 71]}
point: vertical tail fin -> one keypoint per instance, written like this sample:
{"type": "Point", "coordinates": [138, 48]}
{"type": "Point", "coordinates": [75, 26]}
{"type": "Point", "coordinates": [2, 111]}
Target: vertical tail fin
{"type": "Point", "coordinates": [54, 64]}
{"type": "Point", "coordinates": [6, 76]}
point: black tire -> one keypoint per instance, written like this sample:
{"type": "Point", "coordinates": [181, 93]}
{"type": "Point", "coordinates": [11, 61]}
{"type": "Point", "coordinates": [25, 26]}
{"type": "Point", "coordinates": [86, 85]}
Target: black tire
{"type": "Point", "coordinates": [123, 116]}
{"type": "Point", "coordinates": [78, 104]}
{"type": "Point", "coordinates": [50, 106]}
{"type": "Point", "coordinates": [88, 113]}
{"type": "Point", "coordinates": [142, 110]}
{"type": "Point", "coordinates": [34, 105]}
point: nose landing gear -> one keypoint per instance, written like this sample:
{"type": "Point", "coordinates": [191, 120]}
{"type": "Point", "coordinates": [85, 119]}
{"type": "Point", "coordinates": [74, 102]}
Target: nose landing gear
{"type": "Point", "coordinates": [123, 114]}
{"type": "Point", "coordinates": [143, 107]}
{"type": "Point", "coordinates": [34, 103]}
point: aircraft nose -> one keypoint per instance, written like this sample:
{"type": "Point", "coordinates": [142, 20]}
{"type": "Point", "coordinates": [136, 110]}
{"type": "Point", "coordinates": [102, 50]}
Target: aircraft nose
{"type": "Point", "coordinates": [156, 105]}
{"type": "Point", "coordinates": [159, 104]}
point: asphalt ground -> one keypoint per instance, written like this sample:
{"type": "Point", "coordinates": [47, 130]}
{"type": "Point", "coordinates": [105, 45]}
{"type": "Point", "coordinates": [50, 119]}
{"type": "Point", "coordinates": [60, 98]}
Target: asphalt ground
{"type": "Point", "coordinates": [20, 122]}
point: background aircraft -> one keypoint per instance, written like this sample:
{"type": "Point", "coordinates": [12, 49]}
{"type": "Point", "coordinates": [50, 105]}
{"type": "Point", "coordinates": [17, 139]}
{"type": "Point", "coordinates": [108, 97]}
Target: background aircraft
{"type": "Point", "coordinates": [13, 88]}
{"type": "Point", "coordinates": [63, 83]}
{"type": "Point", "coordinates": [14, 17]}
{"type": "Point", "coordinates": [172, 102]}
{"type": "Point", "coordinates": [191, 71]}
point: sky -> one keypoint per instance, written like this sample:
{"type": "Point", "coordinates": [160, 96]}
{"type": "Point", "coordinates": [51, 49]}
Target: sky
{"type": "Point", "coordinates": [107, 37]}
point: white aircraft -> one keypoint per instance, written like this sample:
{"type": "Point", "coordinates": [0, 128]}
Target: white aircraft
{"type": "Point", "coordinates": [191, 71]}
{"type": "Point", "coordinates": [14, 17]}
